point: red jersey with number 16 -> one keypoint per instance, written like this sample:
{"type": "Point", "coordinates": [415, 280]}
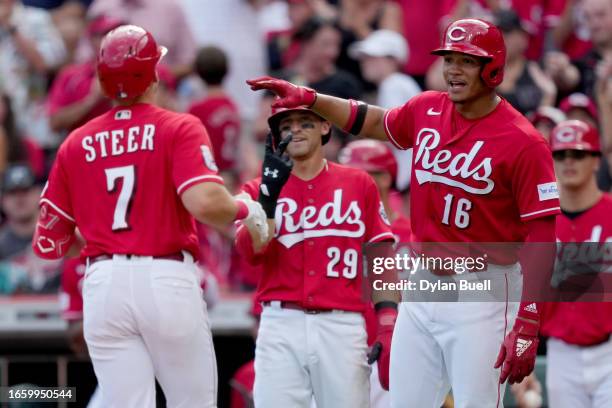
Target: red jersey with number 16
{"type": "Point", "coordinates": [472, 180]}
{"type": "Point", "coordinates": [119, 178]}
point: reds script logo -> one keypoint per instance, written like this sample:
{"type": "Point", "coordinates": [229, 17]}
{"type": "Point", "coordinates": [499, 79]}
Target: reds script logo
{"type": "Point", "coordinates": [436, 165]}
{"type": "Point", "coordinates": [329, 220]}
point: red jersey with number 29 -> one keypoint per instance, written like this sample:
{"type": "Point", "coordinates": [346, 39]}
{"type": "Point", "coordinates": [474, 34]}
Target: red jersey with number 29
{"type": "Point", "coordinates": [321, 224]}
{"type": "Point", "coordinates": [119, 178]}
{"type": "Point", "coordinates": [472, 180]}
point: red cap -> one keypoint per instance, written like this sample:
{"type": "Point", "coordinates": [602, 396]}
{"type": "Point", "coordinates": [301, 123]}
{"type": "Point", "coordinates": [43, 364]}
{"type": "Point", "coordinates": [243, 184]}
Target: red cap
{"type": "Point", "coordinates": [127, 62]}
{"type": "Point", "coordinates": [581, 101]}
{"type": "Point", "coordinates": [481, 39]}
{"type": "Point", "coordinates": [574, 135]}
{"type": "Point", "coordinates": [369, 155]}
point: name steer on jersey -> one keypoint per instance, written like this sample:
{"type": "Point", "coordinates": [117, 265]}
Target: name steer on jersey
{"type": "Point", "coordinates": [311, 282]}
{"type": "Point", "coordinates": [133, 181]}
{"type": "Point", "coordinates": [480, 174]}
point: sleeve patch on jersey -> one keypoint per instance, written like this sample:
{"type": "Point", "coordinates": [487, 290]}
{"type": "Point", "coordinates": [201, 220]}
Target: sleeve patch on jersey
{"type": "Point", "coordinates": [548, 191]}
{"type": "Point", "coordinates": [209, 160]}
{"type": "Point", "coordinates": [383, 214]}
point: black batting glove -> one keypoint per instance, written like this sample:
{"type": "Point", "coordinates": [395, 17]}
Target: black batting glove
{"type": "Point", "coordinates": [276, 169]}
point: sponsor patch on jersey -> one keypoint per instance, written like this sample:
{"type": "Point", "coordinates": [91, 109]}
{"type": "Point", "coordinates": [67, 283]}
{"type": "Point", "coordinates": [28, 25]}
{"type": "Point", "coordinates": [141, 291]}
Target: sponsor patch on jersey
{"type": "Point", "coordinates": [209, 160]}
{"type": "Point", "coordinates": [124, 114]}
{"type": "Point", "coordinates": [383, 214]}
{"type": "Point", "coordinates": [548, 191]}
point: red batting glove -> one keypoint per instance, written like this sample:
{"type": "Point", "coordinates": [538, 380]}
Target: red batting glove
{"type": "Point", "coordinates": [288, 95]}
{"type": "Point", "coordinates": [381, 350]}
{"type": "Point", "coordinates": [519, 349]}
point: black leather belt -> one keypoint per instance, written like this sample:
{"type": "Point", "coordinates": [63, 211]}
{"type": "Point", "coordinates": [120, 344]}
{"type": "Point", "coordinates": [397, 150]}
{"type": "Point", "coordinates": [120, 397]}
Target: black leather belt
{"type": "Point", "coordinates": [297, 306]}
{"type": "Point", "coordinates": [177, 256]}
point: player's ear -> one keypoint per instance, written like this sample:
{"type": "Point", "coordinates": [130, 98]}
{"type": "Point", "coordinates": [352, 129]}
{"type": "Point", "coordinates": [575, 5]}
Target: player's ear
{"type": "Point", "coordinates": [325, 127]}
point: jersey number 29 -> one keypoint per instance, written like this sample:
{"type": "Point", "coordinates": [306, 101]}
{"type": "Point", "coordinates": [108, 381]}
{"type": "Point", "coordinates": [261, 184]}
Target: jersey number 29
{"type": "Point", "coordinates": [349, 271]}
{"type": "Point", "coordinates": [127, 173]}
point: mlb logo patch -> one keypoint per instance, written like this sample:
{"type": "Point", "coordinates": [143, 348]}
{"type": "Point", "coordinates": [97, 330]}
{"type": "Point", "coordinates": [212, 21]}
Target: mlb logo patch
{"type": "Point", "coordinates": [124, 114]}
{"type": "Point", "coordinates": [548, 191]}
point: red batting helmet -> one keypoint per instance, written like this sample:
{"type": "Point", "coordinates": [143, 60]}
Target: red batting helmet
{"type": "Point", "coordinates": [574, 135]}
{"type": "Point", "coordinates": [369, 155]}
{"type": "Point", "coordinates": [126, 62]}
{"type": "Point", "coordinates": [481, 39]}
{"type": "Point", "coordinates": [279, 113]}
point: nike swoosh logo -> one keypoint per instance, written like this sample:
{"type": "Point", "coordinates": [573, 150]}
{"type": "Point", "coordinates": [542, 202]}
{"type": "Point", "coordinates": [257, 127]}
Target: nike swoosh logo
{"type": "Point", "coordinates": [432, 112]}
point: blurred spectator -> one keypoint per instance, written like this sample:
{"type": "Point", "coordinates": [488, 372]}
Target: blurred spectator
{"type": "Point", "coordinates": [582, 76]}
{"type": "Point", "coordinates": [316, 64]}
{"type": "Point", "coordinates": [545, 118]}
{"type": "Point", "coordinates": [13, 147]}
{"type": "Point", "coordinates": [233, 26]}
{"type": "Point", "coordinates": [357, 19]}
{"type": "Point", "coordinates": [525, 85]}
{"type": "Point", "coordinates": [20, 270]}
{"type": "Point", "coordinates": [422, 28]}
{"type": "Point", "coordinates": [570, 32]}
{"type": "Point", "coordinates": [381, 55]}
{"type": "Point", "coordinates": [283, 47]}
{"type": "Point", "coordinates": [30, 49]}
{"type": "Point", "coordinates": [69, 20]}
{"type": "Point", "coordinates": [20, 195]}
{"type": "Point", "coordinates": [75, 96]}
{"type": "Point", "coordinates": [165, 19]}
{"type": "Point", "coordinates": [316, 67]}
{"type": "Point", "coordinates": [217, 110]}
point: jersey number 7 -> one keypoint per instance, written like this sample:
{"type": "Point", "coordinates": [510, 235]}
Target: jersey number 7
{"type": "Point", "coordinates": [127, 174]}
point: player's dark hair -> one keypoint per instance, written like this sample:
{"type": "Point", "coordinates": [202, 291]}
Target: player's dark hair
{"type": "Point", "coordinates": [211, 65]}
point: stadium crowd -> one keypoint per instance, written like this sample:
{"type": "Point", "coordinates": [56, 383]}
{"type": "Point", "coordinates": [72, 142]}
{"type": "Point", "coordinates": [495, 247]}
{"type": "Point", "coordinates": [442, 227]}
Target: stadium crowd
{"type": "Point", "coordinates": [559, 66]}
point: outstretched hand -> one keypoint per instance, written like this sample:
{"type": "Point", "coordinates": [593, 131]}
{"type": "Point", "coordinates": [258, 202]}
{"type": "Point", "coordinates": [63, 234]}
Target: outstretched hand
{"type": "Point", "coordinates": [288, 94]}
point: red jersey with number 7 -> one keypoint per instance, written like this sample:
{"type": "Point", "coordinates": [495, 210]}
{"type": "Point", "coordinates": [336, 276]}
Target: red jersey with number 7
{"type": "Point", "coordinates": [119, 178]}
{"type": "Point", "coordinates": [473, 180]}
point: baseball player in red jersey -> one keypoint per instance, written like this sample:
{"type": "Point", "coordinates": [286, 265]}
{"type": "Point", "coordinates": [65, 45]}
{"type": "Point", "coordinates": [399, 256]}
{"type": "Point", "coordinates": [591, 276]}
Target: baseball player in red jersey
{"type": "Point", "coordinates": [481, 173]}
{"type": "Point", "coordinates": [132, 180]}
{"type": "Point", "coordinates": [312, 338]}
{"type": "Point", "coordinates": [579, 349]}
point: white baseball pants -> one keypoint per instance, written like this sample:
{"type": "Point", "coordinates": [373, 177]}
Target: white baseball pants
{"type": "Point", "coordinates": [299, 355]}
{"type": "Point", "coordinates": [439, 345]}
{"type": "Point", "coordinates": [145, 318]}
{"type": "Point", "coordinates": [579, 377]}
